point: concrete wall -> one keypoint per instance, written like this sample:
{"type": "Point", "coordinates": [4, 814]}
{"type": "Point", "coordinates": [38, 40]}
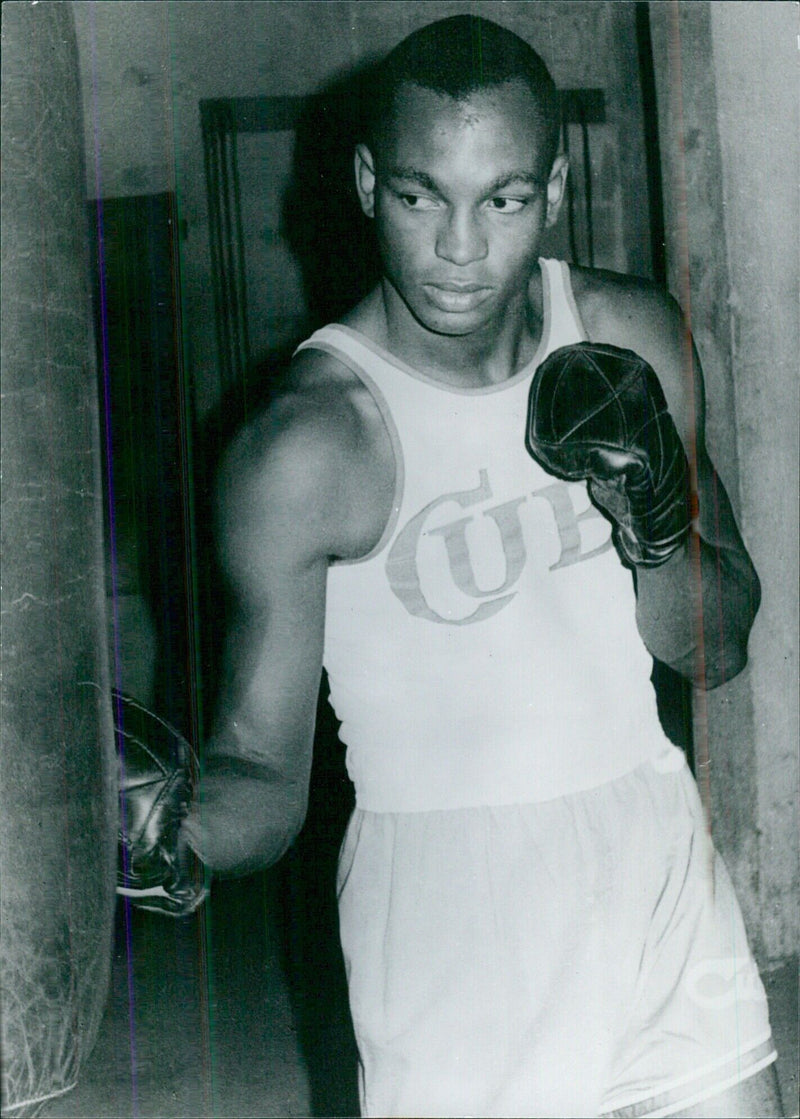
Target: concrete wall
{"type": "Point", "coordinates": [730, 163]}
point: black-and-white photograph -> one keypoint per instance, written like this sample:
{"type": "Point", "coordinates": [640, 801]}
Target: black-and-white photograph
{"type": "Point", "coordinates": [400, 482]}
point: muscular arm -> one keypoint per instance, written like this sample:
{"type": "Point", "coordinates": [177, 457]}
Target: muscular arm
{"type": "Point", "coordinates": [694, 612]}
{"type": "Point", "coordinates": [311, 480]}
{"type": "Point", "coordinates": [252, 799]}
{"type": "Point", "coordinates": [282, 513]}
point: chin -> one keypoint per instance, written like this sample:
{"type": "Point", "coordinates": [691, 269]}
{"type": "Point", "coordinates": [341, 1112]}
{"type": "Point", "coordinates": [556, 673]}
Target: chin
{"type": "Point", "coordinates": [446, 328]}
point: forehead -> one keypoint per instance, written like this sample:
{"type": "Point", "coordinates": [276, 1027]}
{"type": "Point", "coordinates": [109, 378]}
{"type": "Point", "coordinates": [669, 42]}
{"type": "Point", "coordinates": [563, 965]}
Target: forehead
{"type": "Point", "coordinates": [498, 125]}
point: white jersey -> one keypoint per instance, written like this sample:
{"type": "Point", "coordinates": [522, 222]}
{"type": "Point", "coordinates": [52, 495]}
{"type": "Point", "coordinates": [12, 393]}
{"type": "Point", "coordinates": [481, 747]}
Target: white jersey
{"type": "Point", "coordinates": [486, 651]}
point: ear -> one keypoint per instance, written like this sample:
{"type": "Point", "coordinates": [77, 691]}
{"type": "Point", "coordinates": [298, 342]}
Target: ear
{"type": "Point", "coordinates": [556, 186]}
{"type": "Point", "coordinates": [365, 179]}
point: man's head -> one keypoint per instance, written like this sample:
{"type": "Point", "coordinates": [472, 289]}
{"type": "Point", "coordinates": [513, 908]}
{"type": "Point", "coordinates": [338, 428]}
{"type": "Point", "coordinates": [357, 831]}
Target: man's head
{"type": "Point", "coordinates": [457, 58]}
{"type": "Point", "coordinates": [460, 173]}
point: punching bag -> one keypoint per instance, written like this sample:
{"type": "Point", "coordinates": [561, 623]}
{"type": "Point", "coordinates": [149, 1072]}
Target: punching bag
{"type": "Point", "coordinates": [57, 770]}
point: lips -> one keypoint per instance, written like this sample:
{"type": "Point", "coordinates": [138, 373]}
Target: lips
{"type": "Point", "coordinates": [457, 297]}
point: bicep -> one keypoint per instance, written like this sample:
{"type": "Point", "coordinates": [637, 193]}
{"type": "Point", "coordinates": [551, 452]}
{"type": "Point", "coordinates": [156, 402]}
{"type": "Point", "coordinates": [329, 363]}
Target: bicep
{"type": "Point", "coordinates": [275, 562]}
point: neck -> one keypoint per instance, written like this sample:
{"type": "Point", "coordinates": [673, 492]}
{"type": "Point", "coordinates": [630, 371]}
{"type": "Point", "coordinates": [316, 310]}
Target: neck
{"type": "Point", "coordinates": [485, 357]}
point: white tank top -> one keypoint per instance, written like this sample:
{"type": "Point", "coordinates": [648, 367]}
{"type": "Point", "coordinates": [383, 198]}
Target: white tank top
{"type": "Point", "coordinates": [486, 651]}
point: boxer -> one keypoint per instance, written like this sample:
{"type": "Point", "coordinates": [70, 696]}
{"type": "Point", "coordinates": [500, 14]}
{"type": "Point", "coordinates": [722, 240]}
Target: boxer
{"type": "Point", "coordinates": [483, 502]}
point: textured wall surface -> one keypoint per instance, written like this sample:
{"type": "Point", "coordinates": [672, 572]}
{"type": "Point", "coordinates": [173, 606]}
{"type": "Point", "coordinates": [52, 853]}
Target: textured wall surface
{"type": "Point", "coordinates": [757, 68]}
{"type": "Point", "coordinates": [58, 820]}
{"type": "Point", "coordinates": [728, 135]}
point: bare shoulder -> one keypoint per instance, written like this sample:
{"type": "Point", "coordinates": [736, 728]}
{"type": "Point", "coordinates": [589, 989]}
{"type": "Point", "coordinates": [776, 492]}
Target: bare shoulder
{"type": "Point", "coordinates": [626, 311]}
{"type": "Point", "coordinates": [307, 478]}
{"type": "Point", "coordinates": [636, 314]}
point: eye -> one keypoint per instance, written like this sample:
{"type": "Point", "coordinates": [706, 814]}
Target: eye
{"type": "Point", "coordinates": [418, 202]}
{"type": "Point", "coordinates": [503, 205]}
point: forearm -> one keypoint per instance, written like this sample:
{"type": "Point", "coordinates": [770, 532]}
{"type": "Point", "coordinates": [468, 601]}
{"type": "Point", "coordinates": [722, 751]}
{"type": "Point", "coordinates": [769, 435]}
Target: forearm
{"type": "Point", "coordinates": [695, 612]}
{"type": "Point", "coordinates": [244, 816]}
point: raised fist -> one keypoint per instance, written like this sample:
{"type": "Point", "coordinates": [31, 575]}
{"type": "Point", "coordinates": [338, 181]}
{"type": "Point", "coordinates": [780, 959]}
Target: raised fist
{"type": "Point", "coordinates": [598, 413]}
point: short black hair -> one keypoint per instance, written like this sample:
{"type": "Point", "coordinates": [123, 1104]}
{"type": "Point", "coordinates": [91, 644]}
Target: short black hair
{"type": "Point", "coordinates": [460, 56]}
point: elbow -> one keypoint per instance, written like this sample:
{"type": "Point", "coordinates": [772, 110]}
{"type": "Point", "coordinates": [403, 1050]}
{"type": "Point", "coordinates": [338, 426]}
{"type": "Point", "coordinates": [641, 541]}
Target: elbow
{"type": "Point", "coordinates": [708, 648]}
{"type": "Point", "coordinates": [725, 653]}
{"type": "Point", "coordinates": [714, 675]}
{"type": "Point", "coordinates": [275, 840]}
{"type": "Point", "coordinates": [250, 853]}
{"type": "Point", "coordinates": [708, 671]}
{"type": "Point", "coordinates": [242, 826]}
{"type": "Point", "coordinates": [283, 843]}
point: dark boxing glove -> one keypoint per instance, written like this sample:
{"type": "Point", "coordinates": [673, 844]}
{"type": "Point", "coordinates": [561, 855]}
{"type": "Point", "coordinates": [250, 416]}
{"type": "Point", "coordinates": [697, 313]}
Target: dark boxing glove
{"type": "Point", "coordinates": [155, 869]}
{"type": "Point", "coordinates": [598, 413]}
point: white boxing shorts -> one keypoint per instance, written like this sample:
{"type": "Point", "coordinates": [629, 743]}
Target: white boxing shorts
{"type": "Point", "coordinates": [572, 957]}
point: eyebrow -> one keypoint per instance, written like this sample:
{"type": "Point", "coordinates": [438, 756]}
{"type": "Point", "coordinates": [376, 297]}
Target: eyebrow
{"type": "Point", "coordinates": [423, 179]}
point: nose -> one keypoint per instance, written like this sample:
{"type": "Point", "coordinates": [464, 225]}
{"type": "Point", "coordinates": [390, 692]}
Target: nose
{"type": "Point", "coordinates": [460, 239]}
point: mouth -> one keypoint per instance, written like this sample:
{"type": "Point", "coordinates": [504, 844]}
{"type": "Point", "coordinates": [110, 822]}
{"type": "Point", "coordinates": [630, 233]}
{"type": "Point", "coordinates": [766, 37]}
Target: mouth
{"type": "Point", "coordinates": [456, 297]}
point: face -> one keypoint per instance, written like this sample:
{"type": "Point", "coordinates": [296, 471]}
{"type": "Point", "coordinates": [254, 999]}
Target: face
{"type": "Point", "coordinates": [460, 202]}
